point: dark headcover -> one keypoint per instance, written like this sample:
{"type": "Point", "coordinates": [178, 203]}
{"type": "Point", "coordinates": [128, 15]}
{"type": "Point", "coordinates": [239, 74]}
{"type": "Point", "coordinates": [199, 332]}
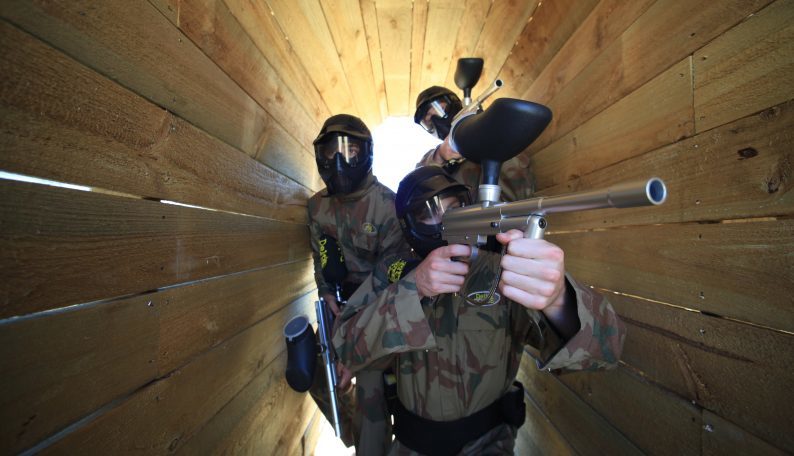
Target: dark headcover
{"type": "Point", "coordinates": [416, 188]}
{"type": "Point", "coordinates": [339, 176]}
{"type": "Point", "coordinates": [423, 101]}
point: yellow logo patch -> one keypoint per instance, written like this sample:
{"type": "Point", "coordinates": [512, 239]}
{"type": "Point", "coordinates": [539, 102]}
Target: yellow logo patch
{"type": "Point", "coordinates": [396, 270]}
{"type": "Point", "coordinates": [369, 228]}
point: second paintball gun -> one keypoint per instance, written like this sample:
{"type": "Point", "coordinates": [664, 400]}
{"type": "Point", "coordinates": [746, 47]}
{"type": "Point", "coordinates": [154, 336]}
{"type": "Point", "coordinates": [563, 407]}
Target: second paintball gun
{"type": "Point", "coordinates": [303, 345]}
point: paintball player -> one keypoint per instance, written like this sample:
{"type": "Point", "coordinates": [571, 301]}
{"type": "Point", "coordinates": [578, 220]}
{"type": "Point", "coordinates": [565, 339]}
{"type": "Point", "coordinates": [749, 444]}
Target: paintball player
{"type": "Point", "coordinates": [436, 106]}
{"type": "Point", "coordinates": [357, 211]}
{"type": "Point", "coordinates": [457, 362]}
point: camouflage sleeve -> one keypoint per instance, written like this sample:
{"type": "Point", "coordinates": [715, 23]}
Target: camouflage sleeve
{"type": "Point", "coordinates": [378, 322]}
{"type": "Point", "coordinates": [599, 342]}
{"type": "Point", "coordinates": [315, 231]}
{"type": "Point", "coordinates": [427, 159]}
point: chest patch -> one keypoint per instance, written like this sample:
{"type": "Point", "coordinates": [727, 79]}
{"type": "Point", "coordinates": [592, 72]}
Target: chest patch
{"type": "Point", "coordinates": [369, 228]}
{"type": "Point", "coordinates": [477, 296]}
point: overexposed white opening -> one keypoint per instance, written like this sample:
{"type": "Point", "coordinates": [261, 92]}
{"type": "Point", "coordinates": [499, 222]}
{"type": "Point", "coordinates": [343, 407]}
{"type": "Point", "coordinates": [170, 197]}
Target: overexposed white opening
{"type": "Point", "coordinates": [398, 144]}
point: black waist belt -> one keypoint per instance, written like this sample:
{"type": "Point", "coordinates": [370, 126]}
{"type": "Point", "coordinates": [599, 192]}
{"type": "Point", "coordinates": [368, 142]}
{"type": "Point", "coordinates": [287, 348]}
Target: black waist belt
{"type": "Point", "coordinates": [446, 438]}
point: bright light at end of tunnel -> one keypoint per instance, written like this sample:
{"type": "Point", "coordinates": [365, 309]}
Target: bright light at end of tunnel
{"type": "Point", "coordinates": [398, 144]}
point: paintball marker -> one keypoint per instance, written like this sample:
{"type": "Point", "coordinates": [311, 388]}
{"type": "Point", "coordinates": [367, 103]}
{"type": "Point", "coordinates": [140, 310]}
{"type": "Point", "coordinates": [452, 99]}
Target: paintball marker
{"type": "Point", "coordinates": [303, 345]}
{"type": "Point", "coordinates": [498, 134]}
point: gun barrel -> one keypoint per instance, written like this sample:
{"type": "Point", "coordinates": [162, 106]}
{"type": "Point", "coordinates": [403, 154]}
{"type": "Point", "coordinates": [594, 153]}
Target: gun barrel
{"type": "Point", "coordinates": [462, 224]}
{"type": "Point", "coordinates": [324, 333]}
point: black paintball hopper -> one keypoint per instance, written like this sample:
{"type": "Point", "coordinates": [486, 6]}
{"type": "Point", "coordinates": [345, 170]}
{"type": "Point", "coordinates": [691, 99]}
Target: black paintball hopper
{"type": "Point", "coordinates": [499, 133]}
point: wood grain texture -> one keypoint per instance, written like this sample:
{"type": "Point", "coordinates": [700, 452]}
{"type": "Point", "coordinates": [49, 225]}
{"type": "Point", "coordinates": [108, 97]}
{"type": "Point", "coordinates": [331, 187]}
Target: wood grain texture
{"type": "Point", "coordinates": [442, 17]}
{"type": "Point", "coordinates": [736, 270]}
{"type": "Point", "coordinates": [551, 26]}
{"type": "Point", "coordinates": [71, 124]}
{"type": "Point", "coordinates": [305, 26]}
{"type": "Point", "coordinates": [419, 31]}
{"type": "Point", "coordinates": [723, 437]}
{"type": "Point", "coordinates": [167, 413]}
{"type": "Point", "coordinates": [161, 65]}
{"type": "Point", "coordinates": [740, 170]}
{"type": "Point", "coordinates": [394, 28]}
{"type": "Point", "coordinates": [748, 69]}
{"type": "Point", "coordinates": [637, 57]}
{"type": "Point", "coordinates": [605, 24]}
{"type": "Point", "coordinates": [505, 22]}
{"type": "Point", "coordinates": [213, 28]}
{"type": "Point", "coordinates": [261, 26]}
{"type": "Point", "coordinates": [66, 246]}
{"type": "Point", "coordinates": [369, 16]}
{"type": "Point", "coordinates": [584, 429]}
{"type": "Point", "coordinates": [346, 25]}
{"type": "Point", "coordinates": [468, 34]}
{"type": "Point", "coordinates": [77, 360]}
{"type": "Point", "coordinates": [655, 115]}
{"type": "Point", "coordinates": [65, 365]}
{"type": "Point", "coordinates": [715, 363]}
{"type": "Point", "coordinates": [654, 420]}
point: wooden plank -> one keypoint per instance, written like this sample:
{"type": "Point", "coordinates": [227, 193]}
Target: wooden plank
{"type": "Point", "coordinates": [637, 57]}
{"type": "Point", "coordinates": [394, 29]}
{"type": "Point", "coordinates": [200, 316]}
{"type": "Point", "coordinates": [747, 69]}
{"type": "Point", "coordinates": [161, 64]}
{"type": "Point", "coordinates": [262, 28]}
{"type": "Point", "coordinates": [737, 171]}
{"type": "Point", "coordinates": [73, 125]}
{"type": "Point", "coordinates": [213, 28]}
{"type": "Point", "coordinates": [443, 16]}
{"type": "Point", "coordinates": [265, 402]}
{"type": "Point", "coordinates": [312, 433]}
{"type": "Point", "coordinates": [346, 25]}
{"type": "Point", "coordinates": [550, 26]}
{"type": "Point", "coordinates": [503, 26]}
{"type": "Point", "coordinates": [67, 246]}
{"type": "Point", "coordinates": [370, 17]}
{"type": "Point", "coordinates": [165, 414]}
{"type": "Point", "coordinates": [59, 378]}
{"type": "Point", "coordinates": [655, 115]}
{"type": "Point", "coordinates": [468, 34]}
{"type": "Point", "coordinates": [607, 21]}
{"type": "Point", "coordinates": [418, 32]}
{"type": "Point", "coordinates": [539, 435]}
{"type": "Point", "coordinates": [304, 25]}
{"type": "Point", "coordinates": [736, 270]}
{"type": "Point", "coordinates": [61, 366]}
{"type": "Point", "coordinates": [585, 431]}
{"type": "Point", "coordinates": [656, 421]}
{"type": "Point", "coordinates": [723, 437]}
{"type": "Point", "coordinates": [715, 363]}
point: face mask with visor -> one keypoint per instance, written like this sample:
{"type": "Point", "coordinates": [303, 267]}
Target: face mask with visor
{"type": "Point", "coordinates": [424, 220]}
{"type": "Point", "coordinates": [343, 161]}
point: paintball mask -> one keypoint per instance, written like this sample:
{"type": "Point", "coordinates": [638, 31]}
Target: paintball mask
{"type": "Point", "coordinates": [343, 151]}
{"type": "Point", "coordinates": [435, 109]}
{"type": "Point", "coordinates": [422, 198]}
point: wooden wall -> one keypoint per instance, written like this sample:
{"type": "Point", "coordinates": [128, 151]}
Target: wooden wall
{"type": "Point", "coordinates": [127, 324]}
{"type": "Point", "coordinates": [699, 94]}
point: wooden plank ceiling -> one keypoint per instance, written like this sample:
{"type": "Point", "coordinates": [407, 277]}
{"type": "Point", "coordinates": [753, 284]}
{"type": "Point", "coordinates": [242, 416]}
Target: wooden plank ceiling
{"type": "Point", "coordinates": [372, 57]}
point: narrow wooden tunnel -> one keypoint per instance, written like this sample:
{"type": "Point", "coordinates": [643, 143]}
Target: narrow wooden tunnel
{"type": "Point", "coordinates": [129, 325]}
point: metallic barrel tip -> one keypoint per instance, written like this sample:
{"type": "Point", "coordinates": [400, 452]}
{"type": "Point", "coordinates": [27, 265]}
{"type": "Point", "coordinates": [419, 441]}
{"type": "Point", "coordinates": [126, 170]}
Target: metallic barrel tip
{"type": "Point", "coordinates": [656, 191]}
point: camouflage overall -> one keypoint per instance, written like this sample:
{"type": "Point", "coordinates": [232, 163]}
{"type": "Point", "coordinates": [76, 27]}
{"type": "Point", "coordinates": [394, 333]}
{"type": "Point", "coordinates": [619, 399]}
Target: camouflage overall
{"type": "Point", "coordinates": [454, 358]}
{"type": "Point", "coordinates": [366, 228]}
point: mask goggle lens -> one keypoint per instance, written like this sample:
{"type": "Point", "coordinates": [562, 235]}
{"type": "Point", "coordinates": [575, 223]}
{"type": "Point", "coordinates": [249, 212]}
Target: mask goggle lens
{"type": "Point", "coordinates": [432, 212]}
{"type": "Point", "coordinates": [349, 148]}
{"type": "Point", "coordinates": [434, 109]}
